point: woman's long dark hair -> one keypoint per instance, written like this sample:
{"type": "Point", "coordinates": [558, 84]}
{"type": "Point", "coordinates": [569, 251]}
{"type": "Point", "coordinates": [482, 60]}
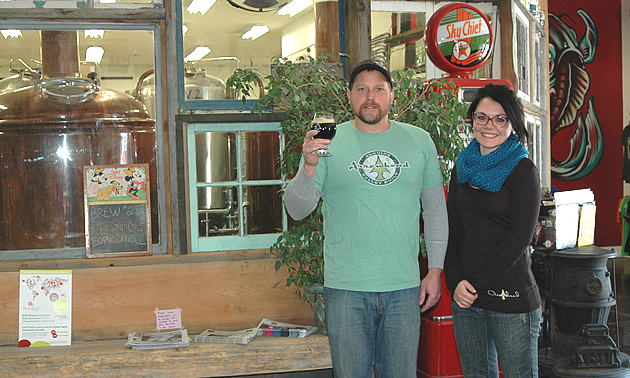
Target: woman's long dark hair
{"type": "Point", "coordinates": [510, 103]}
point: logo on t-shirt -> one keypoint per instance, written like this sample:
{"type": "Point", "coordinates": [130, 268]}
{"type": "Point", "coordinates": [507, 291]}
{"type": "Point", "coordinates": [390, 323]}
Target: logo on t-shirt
{"type": "Point", "coordinates": [504, 294]}
{"type": "Point", "coordinates": [378, 167]}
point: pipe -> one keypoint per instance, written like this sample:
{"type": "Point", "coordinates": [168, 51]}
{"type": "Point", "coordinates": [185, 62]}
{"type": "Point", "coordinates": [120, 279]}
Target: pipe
{"type": "Point", "coordinates": [60, 53]}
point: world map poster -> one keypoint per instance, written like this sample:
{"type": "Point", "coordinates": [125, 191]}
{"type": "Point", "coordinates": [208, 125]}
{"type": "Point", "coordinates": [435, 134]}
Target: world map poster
{"type": "Point", "coordinates": [45, 308]}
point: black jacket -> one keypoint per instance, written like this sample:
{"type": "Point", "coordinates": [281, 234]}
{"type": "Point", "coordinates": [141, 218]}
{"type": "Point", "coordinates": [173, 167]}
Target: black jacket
{"type": "Point", "coordinates": [489, 235]}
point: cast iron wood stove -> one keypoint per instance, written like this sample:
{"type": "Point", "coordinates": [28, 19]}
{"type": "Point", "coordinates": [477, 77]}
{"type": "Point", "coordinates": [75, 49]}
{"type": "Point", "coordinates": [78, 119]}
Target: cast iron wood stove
{"type": "Point", "coordinates": [576, 283]}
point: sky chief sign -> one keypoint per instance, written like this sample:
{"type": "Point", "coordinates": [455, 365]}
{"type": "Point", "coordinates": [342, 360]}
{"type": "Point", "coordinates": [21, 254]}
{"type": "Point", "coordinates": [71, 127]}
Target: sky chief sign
{"type": "Point", "coordinates": [459, 38]}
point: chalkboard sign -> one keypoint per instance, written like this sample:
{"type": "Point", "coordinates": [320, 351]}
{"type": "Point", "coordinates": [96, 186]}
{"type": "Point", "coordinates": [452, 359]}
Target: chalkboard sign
{"type": "Point", "coordinates": [118, 211]}
{"type": "Point", "coordinates": [117, 227]}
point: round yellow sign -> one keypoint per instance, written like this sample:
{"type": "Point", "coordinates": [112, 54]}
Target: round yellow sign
{"type": "Point", "coordinates": [60, 306]}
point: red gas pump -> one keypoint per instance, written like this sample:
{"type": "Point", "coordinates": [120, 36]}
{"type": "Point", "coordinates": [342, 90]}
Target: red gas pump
{"type": "Point", "coordinates": [459, 40]}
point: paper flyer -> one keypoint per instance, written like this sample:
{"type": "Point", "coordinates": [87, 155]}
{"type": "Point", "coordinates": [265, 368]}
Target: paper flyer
{"type": "Point", "coordinates": [566, 225]}
{"type": "Point", "coordinates": [586, 233]}
{"type": "Point", "coordinates": [45, 308]}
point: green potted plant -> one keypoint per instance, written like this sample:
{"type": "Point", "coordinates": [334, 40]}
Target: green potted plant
{"type": "Point", "coordinates": [307, 85]}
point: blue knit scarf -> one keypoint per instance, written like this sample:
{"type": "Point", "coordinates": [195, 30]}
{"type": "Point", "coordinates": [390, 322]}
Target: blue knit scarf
{"type": "Point", "coordinates": [489, 171]}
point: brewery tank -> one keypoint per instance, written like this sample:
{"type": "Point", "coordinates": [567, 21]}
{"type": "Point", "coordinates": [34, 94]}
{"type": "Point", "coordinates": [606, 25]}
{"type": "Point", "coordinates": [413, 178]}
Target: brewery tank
{"type": "Point", "coordinates": [48, 132]}
{"type": "Point", "coordinates": [23, 77]}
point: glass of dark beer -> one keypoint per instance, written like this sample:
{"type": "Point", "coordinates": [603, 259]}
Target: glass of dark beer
{"type": "Point", "coordinates": [324, 123]}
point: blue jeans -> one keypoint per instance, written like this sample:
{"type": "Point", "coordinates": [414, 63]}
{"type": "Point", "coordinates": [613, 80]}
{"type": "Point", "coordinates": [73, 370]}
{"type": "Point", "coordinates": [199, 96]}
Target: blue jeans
{"type": "Point", "coordinates": [482, 335]}
{"type": "Point", "coordinates": [380, 330]}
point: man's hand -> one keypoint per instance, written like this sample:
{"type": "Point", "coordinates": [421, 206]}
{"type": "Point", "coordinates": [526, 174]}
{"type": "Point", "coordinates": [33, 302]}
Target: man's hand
{"type": "Point", "coordinates": [430, 289]}
{"type": "Point", "coordinates": [309, 146]}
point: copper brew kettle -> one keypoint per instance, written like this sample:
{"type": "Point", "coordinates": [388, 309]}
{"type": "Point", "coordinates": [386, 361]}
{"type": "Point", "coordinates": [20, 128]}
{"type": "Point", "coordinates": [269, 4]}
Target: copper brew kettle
{"type": "Point", "coordinates": [48, 133]}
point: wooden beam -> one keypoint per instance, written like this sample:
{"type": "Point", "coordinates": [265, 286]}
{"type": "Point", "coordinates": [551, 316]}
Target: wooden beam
{"type": "Point", "coordinates": [71, 14]}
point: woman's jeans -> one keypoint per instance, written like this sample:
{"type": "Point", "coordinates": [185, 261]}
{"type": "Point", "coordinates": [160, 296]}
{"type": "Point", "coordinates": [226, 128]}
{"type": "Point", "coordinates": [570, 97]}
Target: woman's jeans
{"type": "Point", "coordinates": [368, 329]}
{"type": "Point", "coordinates": [481, 335]}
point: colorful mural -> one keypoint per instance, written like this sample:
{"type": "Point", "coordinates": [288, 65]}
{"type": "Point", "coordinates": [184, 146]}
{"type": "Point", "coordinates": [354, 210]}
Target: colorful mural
{"type": "Point", "coordinates": [569, 83]}
{"type": "Point", "coordinates": [586, 105]}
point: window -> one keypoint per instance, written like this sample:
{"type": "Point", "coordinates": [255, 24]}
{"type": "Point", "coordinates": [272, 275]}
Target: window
{"type": "Point", "coordinates": [521, 51]}
{"type": "Point", "coordinates": [219, 37]}
{"type": "Point", "coordinates": [234, 185]}
{"type": "Point", "coordinates": [537, 150]}
{"type": "Point", "coordinates": [398, 36]}
{"type": "Point", "coordinates": [540, 79]}
{"type": "Point", "coordinates": [63, 108]}
{"type": "Point", "coordinates": [232, 168]}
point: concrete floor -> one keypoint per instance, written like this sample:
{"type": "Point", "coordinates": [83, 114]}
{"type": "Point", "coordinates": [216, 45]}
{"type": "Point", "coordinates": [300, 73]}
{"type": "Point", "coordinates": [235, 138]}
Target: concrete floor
{"type": "Point", "coordinates": [622, 280]}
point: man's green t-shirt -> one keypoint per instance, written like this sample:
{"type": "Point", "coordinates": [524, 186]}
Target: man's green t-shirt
{"type": "Point", "coordinates": [371, 192]}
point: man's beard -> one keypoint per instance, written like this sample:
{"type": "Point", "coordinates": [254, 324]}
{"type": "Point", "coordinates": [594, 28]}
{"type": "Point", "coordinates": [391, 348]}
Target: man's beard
{"type": "Point", "coordinates": [373, 119]}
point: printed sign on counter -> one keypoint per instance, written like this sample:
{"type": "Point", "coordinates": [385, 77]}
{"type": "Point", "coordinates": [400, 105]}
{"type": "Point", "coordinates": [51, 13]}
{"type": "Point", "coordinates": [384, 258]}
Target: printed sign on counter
{"type": "Point", "coordinates": [45, 308]}
{"type": "Point", "coordinates": [168, 319]}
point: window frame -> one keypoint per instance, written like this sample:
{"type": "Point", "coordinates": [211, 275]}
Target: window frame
{"type": "Point", "coordinates": [524, 90]}
{"type": "Point", "coordinates": [228, 242]}
{"type": "Point", "coordinates": [197, 105]}
{"type": "Point", "coordinates": [105, 20]}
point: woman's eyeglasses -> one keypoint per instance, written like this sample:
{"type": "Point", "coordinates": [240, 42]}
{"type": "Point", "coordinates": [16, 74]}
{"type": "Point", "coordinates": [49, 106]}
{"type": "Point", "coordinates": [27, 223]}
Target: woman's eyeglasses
{"type": "Point", "coordinates": [499, 121]}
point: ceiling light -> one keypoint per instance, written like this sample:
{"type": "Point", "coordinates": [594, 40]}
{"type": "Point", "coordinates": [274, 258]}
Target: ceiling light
{"type": "Point", "coordinates": [12, 33]}
{"type": "Point", "coordinates": [93, 33]}
{"type": "Point", "coordinates": [94, 54]}
{"type": "Point", "coordinates": [198, 53]}
{"type": "Point", "coordinates": [255, 32]}
{"type": "Point", "coordinates": [200, 6]}
{"type": "Point", "coordinates": [260, 4]}
{"type": "Point", "coordinates": [294, 7]}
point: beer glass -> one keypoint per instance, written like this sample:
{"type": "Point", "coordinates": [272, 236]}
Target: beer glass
{"type": "Point", "coordinates": [324, 123]}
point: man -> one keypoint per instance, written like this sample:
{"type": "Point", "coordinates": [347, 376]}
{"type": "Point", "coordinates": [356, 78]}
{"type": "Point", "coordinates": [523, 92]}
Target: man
{"type": "Point", "coordinates": [373, 187]}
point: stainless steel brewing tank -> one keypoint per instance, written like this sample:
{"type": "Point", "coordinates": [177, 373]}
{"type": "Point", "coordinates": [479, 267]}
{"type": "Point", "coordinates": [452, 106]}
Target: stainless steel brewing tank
{"type": "Point", "coordinates": [25, 76]}
{"type": "Point", "coordinates": [197, 86]}
{"type": "Point", "coordinates": [200, 86]}
{"type": "Point", "coordinates": [215, 159]}
{"type": "Point", "coordinates": [48, 132]}
{"type": "Point", "coordinates": [213, 149]}
{"type": "Point", "coordinates": [15, 82]}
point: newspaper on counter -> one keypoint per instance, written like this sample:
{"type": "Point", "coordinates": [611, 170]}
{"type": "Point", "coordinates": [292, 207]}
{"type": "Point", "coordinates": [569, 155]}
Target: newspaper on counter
{"type": "Point", "coordinates": [158, 340]}
{"type": "Point", "coordinates": [272, 328]}
{"type": "Point", "coordinates": [227, 337]}
{"type": "Point", "coordinates": [266, 327]}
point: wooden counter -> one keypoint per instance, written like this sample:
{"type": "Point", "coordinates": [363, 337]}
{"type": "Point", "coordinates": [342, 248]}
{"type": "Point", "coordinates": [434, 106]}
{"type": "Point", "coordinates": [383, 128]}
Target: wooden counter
{"type": "Point", "coordinates": [111, 358]}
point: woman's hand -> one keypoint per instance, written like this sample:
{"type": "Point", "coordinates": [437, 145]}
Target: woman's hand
{"type": "Point", "coordinates": [465, 294]}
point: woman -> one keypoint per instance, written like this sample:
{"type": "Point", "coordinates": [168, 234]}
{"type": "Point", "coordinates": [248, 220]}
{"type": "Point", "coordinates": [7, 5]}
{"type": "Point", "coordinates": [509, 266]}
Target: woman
{"type": "Point", "coordinates": [493, 205]}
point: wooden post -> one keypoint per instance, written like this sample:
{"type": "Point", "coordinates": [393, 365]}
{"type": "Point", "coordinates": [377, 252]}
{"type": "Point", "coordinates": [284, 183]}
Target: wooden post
{"type": "Point", "coordinates": [507, 34]}
{"type": "Point", "coordinates": [358, 31]}
{"type": "Point", "coordinates": [326, 28]}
